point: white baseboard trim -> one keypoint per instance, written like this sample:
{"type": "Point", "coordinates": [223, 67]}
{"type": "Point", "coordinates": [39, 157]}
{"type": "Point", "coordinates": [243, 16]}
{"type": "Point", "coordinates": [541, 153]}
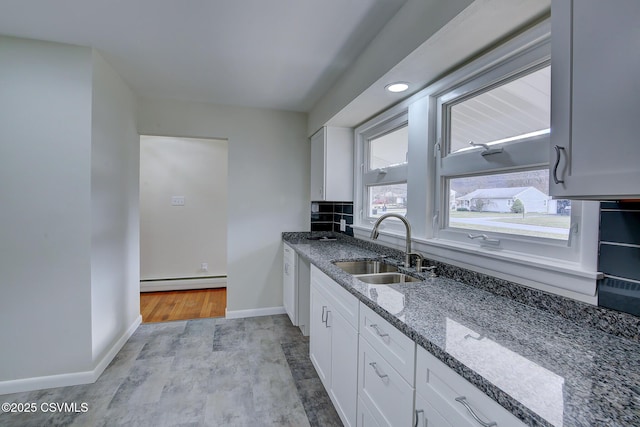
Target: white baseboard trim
{"type": "Point", "coordinates": [182, 285]}
{"type": "Point", "coordinates": [254, 312]}
{"type": "Point", "coordinates": [115, 348]}
{"type": "Point", "coordinates": [73, 378]}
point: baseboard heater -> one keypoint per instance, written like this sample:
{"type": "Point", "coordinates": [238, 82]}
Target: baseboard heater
{"type": "Point", "coordinates": [182, 283]}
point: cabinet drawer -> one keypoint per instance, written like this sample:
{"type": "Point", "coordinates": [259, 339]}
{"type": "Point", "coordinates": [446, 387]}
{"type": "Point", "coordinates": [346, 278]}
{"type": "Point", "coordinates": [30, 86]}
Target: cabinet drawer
{"type": "Point", "coordinates": [427, 416]}
{"type": "Point", "coordinates": [441, 385]}
{"type": "Point", "coordinates": [365, 416]}
{"type": "Point", "coordinates": [398, 349]}
{"type": "Point", "coordinates": [339, 298]}
{"type": "Point", "coordinates": [386, 394]}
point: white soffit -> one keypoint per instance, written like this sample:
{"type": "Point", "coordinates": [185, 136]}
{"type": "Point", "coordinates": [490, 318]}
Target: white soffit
{"type": "Point", "coordinates": [478, 27]}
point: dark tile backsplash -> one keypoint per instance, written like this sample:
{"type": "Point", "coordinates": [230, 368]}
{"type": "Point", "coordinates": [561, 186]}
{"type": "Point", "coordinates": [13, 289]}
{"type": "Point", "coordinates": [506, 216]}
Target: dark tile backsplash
{"type": "Point", "coordinates": [619, 257]}
{"type": "Point", "coordinates": [326, 216]}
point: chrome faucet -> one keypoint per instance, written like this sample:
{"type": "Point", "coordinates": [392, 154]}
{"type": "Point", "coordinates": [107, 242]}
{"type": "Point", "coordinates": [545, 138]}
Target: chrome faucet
{"type": "Point", "coordinates": [375, 233]}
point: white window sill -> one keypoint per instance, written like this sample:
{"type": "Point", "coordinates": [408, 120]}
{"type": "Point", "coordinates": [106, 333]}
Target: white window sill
{"type": "Point", "coordinates": [569, 279]}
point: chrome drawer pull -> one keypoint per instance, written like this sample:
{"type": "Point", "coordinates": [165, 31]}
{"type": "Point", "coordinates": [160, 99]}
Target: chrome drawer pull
{"type": "Point", "coordinates": [324, 307]}
{"type": "Point", "coordinates": [375, 368]}
{"type": "Point", "coordinates": [463, 400]}
{"type": "Point", "coordinates": [381, 334]}
{"type": "Point", "coordinates": [326, 323]}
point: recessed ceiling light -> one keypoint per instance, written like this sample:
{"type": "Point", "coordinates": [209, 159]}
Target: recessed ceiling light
{"type": "Point", "coordinates": [397, 87]}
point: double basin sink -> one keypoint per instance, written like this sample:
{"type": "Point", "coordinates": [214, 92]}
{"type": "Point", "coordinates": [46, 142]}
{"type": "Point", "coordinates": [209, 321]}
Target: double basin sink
{"type": "Point", "coordinates": [375, 272]}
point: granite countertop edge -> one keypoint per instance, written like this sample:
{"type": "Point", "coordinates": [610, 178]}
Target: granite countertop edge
{"type": "Point", "coordinates": [303, 248]}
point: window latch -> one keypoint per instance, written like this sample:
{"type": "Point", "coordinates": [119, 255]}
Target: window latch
{"type": "Point", "coordinates": [484, 239]}
{"type": "Point", "coordinates": [487, 150]}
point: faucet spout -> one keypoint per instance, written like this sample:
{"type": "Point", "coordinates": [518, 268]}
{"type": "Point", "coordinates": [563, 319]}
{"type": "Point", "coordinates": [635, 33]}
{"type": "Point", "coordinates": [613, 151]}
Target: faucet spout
{"type": "Point", "coordinates": [375, 233]}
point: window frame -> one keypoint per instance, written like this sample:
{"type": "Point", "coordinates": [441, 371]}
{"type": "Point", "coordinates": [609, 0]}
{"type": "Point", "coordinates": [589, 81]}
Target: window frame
{"type": "Point", "coordinates": [390, 175]}
{"type": "Point", "coordinates": [524, 154]}
{"type": "Point", "coordinates": [574, 276]}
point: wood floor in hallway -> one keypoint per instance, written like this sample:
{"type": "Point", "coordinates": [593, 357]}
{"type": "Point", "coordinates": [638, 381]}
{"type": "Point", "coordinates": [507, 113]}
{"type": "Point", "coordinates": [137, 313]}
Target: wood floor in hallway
{"type": "Point", "coordinates": [182, 305]}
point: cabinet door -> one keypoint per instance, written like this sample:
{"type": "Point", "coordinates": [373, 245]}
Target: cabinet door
{"type": "Point", "coordinates": [595, 103]}
{"type": "Point", "coordinates": [317, 189]}
{"type": "Point", "coordinates": [332, 164]}
{"type": "Point", "coordinates": [320, 337]}
{"type": "Point", "coordinates": [344, 367]}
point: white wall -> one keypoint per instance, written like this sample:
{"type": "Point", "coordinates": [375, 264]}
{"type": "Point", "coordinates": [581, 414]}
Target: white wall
{"type": "Point", "coordinates": [115, 261]}
{"type": "Point", "coordinates": [268, 186]}
{"type": "Point", "coordinates": [69, 219]}
{"type": "Point", "coordinates": [175, 240]}
{"type": "Point", "coordinates": [45, 219]}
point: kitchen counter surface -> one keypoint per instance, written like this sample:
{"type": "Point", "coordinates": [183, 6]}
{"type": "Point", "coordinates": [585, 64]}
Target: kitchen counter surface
{"type": "Point", "coordinates": [545, 369]}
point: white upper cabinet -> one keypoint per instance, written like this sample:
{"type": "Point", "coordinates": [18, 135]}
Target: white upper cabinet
{"type": "Point", "coordinates": [332, 164]}
{"type": "Point", "coordinates": [595, 104]}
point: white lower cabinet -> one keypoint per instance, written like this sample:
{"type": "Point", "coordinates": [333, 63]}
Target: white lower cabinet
{"type": "Point", "coordinates": [320, 337]}
{"type": "Point", "coordinates": [344, 368]}
{"type": "Point", "coordinates": [333, 343]}
{"type": "Point", "coordinates": [387, 395]}
{"type": "Point", "coordinates": [444, 398]}
{"type": "Point", "coordinates": [386, 369]}
{"type": "Point", "coordinates": [377, 377]}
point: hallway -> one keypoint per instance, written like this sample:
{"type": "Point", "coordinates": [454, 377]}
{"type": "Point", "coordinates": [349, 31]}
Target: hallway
{"type": "Point", "coordinates": [182, 305]}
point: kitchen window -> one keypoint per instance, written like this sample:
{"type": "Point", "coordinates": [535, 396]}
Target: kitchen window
{"type": "Point", "coordinates": [492, 165]}
{"type": "Point", "coordinates": [477, 187]}
{"type": "Point", "coordinates": [384, 162]}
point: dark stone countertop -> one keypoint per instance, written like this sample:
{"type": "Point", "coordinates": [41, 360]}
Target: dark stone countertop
{"type": "Point", "coordinates": [544, 368]}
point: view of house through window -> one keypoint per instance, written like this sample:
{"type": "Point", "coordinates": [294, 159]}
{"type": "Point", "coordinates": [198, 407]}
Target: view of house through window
{"type": "Point", "coordinates": [387, 198]}
{"type": "Point", "coordinates": [509, 115]}
{"type": "Point", "coordinates": [514, 203]}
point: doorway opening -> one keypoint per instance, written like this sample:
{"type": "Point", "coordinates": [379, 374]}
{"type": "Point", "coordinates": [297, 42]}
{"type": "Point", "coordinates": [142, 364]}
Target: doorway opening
{"type": "Point", "coordinates": [183, 227]}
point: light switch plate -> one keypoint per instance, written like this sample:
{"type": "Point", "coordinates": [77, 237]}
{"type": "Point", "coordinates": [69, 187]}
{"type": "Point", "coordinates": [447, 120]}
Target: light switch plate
{"type": "Point", "coordinates": [177, 200]}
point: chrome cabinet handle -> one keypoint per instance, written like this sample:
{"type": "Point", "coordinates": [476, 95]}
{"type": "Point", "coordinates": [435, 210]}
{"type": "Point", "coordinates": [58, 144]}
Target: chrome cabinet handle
{"type": "Point", "coordinates": [375, 368]}
{"type": "Point", "coordinates": [418, 412]}
{"type": "Point", "coordinates": [324, 307]}
{"type": "Point", "coordinates": [381, 334]}
{"type": "Point", "coordinates": [555, 167]}
{"type": "Point", "coordinates": [326, 322]}
{"type": "Point", "coordinates": [463, 400]}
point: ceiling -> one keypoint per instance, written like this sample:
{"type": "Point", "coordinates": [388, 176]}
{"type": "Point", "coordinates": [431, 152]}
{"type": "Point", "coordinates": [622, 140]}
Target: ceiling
{"type": "Point", "coordinates": [281, 54]}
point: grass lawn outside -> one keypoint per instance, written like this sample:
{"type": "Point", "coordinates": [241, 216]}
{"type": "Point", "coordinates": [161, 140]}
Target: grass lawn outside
{"type": "Point", "coordinates": [560, 221]}
{"type": "Point", "coordinates": [533, 224]}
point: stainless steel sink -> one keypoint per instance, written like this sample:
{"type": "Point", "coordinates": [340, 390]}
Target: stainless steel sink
{"type": "Point", "coordinates": [366, 267]}
{"type": "Point", "coordinates": [386, 278]}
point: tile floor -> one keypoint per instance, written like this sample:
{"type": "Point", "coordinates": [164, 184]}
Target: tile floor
{"type": "Point", "coordinates": [204, 372]}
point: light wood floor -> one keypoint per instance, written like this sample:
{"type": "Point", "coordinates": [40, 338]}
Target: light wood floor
{"type": "Point", "coordinates": [182, 305]}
